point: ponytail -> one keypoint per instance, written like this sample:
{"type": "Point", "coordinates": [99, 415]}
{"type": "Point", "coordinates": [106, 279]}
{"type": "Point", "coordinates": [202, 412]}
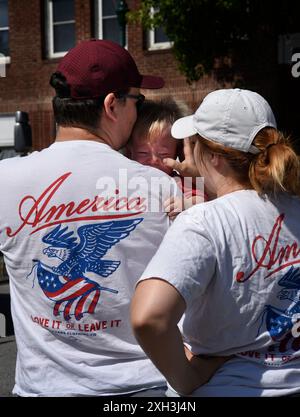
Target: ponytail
{"type": "Point", "coordinates": [277, 167]}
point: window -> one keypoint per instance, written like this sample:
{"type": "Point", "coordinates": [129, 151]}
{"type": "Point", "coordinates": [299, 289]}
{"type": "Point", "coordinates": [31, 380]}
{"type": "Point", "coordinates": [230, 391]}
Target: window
{"type": "Point", "coordinates": [157, 39]}
{"type": "Point", "coordinates": [107, 22]}
{"type": "Point", "coordinates": [4, 31]}
{"type": "Point", "coordinates": [60, 27]}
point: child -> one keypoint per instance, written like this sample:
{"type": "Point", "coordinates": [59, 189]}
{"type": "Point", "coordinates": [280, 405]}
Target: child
{"type": "Point", "coordinates": [151, 144]}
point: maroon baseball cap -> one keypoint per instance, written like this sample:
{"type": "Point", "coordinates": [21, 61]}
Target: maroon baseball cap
{"type": "Point", "coordinates": [96, 68]}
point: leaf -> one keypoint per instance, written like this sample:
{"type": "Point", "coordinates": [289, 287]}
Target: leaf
{"type": "Point", "coordinates": [203, 31]}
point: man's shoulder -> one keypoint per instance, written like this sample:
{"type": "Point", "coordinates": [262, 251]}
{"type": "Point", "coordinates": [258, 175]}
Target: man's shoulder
{"type": "Point", "coordinates": [16, 161]}
{"type": "Point", "coordinates": [11, 163]}
{"type": "Point", "coordinates": [5, 163]}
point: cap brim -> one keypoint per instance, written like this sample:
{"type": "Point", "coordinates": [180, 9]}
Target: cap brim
{"type": "Point", "coordinates": [183, 128]}
{"type": "Point", "coordinates": [152, 82]}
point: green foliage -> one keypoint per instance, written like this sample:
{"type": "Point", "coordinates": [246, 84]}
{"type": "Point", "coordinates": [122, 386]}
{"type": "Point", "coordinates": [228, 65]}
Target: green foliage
{"type": "Point", "coordinates": [203, 30]}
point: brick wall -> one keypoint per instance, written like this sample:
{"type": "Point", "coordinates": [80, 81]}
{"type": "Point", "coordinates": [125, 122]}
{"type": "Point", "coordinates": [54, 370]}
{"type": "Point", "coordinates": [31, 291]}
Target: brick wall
{"type": "Point", "coordinates": [26, 86]}
{"type": "Point", "coordinates": [27, 76]}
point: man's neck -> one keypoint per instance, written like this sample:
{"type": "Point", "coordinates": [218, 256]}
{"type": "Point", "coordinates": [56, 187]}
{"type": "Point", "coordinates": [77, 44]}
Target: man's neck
{"type": "Point", "coordinates": [75, 133]}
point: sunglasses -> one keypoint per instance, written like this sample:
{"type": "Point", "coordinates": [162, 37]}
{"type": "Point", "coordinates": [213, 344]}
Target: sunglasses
{"type": "Point", "coordinates": [140, 98]}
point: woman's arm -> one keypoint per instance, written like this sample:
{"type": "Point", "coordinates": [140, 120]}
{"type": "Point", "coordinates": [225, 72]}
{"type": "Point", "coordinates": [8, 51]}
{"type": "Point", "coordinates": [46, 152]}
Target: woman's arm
{"type": "Point", "coordinates": [155, 311]}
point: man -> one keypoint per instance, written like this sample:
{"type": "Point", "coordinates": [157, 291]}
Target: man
{"type": "Point", "coordinates": [77, 230]}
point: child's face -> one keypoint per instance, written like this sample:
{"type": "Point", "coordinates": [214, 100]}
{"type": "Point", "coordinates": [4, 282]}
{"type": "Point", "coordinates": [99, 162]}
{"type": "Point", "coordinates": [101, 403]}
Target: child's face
{"type": "Point", "coordinates": [152, 152]}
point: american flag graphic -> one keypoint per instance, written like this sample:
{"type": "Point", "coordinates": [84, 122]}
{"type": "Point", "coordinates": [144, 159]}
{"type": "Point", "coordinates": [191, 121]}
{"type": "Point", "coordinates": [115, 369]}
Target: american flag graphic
{"type": "Point", "coordinates": [71, 296]}
{"type": "Point", "coordinates": [278, 323]}
{"type": "Point", "coordinates": [66, 284]}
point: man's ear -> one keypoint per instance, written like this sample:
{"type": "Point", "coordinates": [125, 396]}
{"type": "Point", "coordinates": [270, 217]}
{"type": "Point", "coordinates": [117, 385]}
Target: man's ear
{"type": "Point", "coordinates": [109, 106]}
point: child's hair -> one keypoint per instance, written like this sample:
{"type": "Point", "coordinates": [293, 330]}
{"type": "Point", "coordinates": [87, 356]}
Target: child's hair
{"type": "Point", "coordinates": [274, 169]}
{"type": "Point", "coordinates": [155, 115]}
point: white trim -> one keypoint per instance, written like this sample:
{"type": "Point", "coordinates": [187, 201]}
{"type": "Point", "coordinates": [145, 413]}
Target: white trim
{"type": "Point", "coordinates": [4, 59]}
{"type": "Point", "coordinates": [154, 46]}
{"type": "Point", "coordinates": [50, 31]}
{"type": "Point", "coordinates": [57, 54]}
{"type": "Point", "coordinates": [99, 26]}
{"type": "Point", "coordinates": [111, 16]}
{"type": "Point", "coordinates": [65, 22]}
{"type": "Point", "coordinates": [3, 62]}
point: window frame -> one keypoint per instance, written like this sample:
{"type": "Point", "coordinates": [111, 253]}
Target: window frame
{"type": "Point", "coordinates": [5, 59]}
{"type": "Point", "coordinates": [99, 21]}
{"type": "Point", "coordinates": [156, 46]}
{"type": "Point", "coordinates": [50, 30]}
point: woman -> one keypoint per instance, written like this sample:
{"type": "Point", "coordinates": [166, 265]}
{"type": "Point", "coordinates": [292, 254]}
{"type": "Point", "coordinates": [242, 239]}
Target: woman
{"type": "Point", "coordinates": [231, 264]}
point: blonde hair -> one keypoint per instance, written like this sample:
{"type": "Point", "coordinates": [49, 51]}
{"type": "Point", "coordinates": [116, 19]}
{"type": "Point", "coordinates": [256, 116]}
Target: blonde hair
{"type": "Point", "coordinates": [155, 115]}
{"type": "Point", "coordinates": [275, 169]}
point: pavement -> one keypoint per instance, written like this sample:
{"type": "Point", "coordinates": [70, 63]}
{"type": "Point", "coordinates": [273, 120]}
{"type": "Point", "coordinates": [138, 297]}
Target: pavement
{"type": "Point", "coordinates": [8, 352]}
{"type": "Point", "coordinates": [8, 349]}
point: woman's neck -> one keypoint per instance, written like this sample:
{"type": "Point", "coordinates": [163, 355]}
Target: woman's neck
{"type": "Point", "coordinates": [230, 186]}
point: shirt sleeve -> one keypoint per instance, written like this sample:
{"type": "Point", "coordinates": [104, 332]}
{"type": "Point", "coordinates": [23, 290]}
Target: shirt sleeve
{"type": "Point", "coordinates": [186, 257]}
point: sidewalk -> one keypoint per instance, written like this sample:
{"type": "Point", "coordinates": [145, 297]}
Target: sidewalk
{"type": "Point", "coordinates": [8, 351]}
{"type": "Point", "coordinates": [5, 307]}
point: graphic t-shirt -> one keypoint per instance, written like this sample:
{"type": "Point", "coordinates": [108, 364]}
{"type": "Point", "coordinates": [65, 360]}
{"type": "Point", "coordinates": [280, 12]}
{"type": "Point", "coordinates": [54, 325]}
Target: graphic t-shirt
{"type": "Point", "coordinates": [236, 262]}
{"type": "Point", "coordinates": [78, 224]}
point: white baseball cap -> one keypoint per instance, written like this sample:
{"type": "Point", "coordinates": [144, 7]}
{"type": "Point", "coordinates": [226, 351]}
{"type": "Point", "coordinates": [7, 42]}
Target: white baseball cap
{"type": "Point", "coordinates": [230, 117]}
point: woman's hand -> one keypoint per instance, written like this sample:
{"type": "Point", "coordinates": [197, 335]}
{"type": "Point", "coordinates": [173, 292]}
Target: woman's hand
{"type": "Point", "coordinates": [186, 168]}
{"type": "Point", "coordinates": [205, 367]}
{"type": "Point", "coordinates": [156, 309]}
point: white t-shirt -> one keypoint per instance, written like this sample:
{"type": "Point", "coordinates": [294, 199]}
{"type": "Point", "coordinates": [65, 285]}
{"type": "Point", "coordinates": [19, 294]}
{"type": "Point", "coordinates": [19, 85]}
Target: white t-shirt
{"type": "Point", "coordinates": [235, 261]}
{"type": "Point", "coordinates": [75, 242]}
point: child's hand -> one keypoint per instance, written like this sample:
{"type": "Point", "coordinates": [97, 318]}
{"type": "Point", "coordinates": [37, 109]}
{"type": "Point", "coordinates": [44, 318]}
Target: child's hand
{"type": "Point", "coordinates": [186, 168]}
{"type": "Point", "coordinates": [173, 206]}
{"type": "Point", "coordinates": [192, 200]}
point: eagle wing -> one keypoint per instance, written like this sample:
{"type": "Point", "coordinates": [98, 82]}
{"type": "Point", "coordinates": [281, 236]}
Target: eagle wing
{"type": "Point", "coordinates": [95, 241]}
{"type": "Point", "coordinates": [60, 238]}
{"type": "Point", "coordinates": [291, 280]}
